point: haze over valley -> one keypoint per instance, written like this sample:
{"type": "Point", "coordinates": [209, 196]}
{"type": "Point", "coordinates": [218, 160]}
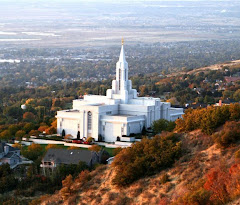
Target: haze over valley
{"type": "Point", "coordinates": [103, 23]}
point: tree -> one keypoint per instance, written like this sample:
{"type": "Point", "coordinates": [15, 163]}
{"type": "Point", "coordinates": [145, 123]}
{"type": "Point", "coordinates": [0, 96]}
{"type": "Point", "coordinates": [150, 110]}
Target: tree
{"type": "Point", "coordinates": [234, 110]}
{"type": "Point", "coordinates": [163, 125]}
{"type": "Point", "coordinates": [66, 190]}
{"type": "Point", "coordinates": [33, 151]}
{"type": "Point", "coordinates": [63, 133]}
{"type": "Point", "coordinates": [29, 117]}
{"type": "Point", "coordinates": [6, 134]}
{"type": "Point", "coordinates": [14, 112]}
{"type": "Point", "coordinates": [54, 124]}
{"type": "Point", "coordinates": [20, 134]}
{"type": "Point", "coordinates": [28, 127]}
{"type": "Point", "coordinates": [160, 125]}
{"type": "Point", "coordinates": [13, 129]}
{"type": "Point", "coordinates": [236, 95]}
{"type": "Point", "coordinates": [51, 130]}
{"type": "Point", "coordinates": [78, 135]}
{"type": "Point", "coordinates": [216, 182]}
{"type": "Point", "coordinates": [145, 158]}
{"type": "Point", "coordinates": [34, 133]}
{"type": "Point", "coordinates": [51, 146]}
{"type": "Point", "coordinates": [43, 128]}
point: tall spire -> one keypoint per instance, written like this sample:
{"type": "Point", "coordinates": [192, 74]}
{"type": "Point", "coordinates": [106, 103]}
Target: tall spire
{"type": "Point", "coordinates": [122, 54]}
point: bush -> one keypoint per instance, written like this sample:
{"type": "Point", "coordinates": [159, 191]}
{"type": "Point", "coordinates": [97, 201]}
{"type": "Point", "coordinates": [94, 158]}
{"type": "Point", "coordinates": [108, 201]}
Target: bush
{"type": "Point", "coordinates": [237, 154]}
{"type": "Point", "coordinates": [90, 139]}
{"type": "Point", "coordinates": [199, 196]}
{"type": "Point", "coordinates": [229, 135]}
{"type": "Point", "coordinates": [163, 125]}
{"type": "Point", "coordinates": [207, 119]}
{"type": "Point", "coordinates": [145, 158]}
{"type": "Point", "coordinates": [164, 179]}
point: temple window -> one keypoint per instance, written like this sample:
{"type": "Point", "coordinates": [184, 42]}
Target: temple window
{"type": "Point", "coordinates": [89, 122]}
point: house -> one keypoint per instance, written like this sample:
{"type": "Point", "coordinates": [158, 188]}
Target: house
{"type": "Point", "coordinates": [56, 157]}
{"type": "Point", "coordinates": [228, 101]}
{"type": "Point", "coordinates": [10, 155]}
{"type": "Point", "coordinates": [232, 79]}
{"type": "Point", "coordinates": [120, 113]}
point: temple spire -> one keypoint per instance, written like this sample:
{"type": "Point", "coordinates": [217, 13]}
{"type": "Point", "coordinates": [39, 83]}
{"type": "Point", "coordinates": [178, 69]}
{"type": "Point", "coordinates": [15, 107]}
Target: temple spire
{"type": "Point", "coordinates": [122, 54]}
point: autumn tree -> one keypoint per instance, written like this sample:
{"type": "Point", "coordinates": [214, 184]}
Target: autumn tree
{"type": "Point", "coordinates": [33, 151]}
{"type": "Point", "coordinates": [6, 135]}
{"type": "Point", "coordinates": [217, 180]}
{"type": "Point", "coordinates": [229, 135]}
{"type": "Point", "coordinates": [34, 133]}
{"type": "Point", "coordinates": [145, 158]}
{"type": "Point", "coordinates": [95, 148]}
{"type": "Point", "coordinates": [66, 190]}
{"type": "Point", "coordinates": [13, 129]}
{"type": "Point", "coordinates": [51, 146]}
{"type": "Point", "coordinates": [29, 117]}
{"type": "Point", "coordinates": [42, 128]}
{"type": "Point", "coordinates": [51, 130]}
{"type": "Point", "coordinates": [236, 95]}
{"type": "Point", "coordinates": [28, 127]}
{"type": "Point", "coordinates": [20, 134]}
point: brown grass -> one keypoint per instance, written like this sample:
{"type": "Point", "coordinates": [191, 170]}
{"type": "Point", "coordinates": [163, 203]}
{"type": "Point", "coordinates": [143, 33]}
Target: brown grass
{"type": "Point", "coordinates": [200, 155]}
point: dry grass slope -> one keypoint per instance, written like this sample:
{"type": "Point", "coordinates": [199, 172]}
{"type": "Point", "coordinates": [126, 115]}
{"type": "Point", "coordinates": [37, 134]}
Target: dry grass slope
{"type": "Point", "coordinates": [200, 155]}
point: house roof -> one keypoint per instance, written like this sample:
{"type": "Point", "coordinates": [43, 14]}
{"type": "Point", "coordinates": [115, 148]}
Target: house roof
{"type": "Point", "coordinates": [232, 79]}
{"type": "Point", "coordinates": [11, 149]}
{"type": "Point", "coordinates": [10, 155]}
{"type": "Point", "coordinates": [64, 156]}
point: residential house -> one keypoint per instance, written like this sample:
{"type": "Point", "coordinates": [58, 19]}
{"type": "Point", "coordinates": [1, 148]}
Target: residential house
{"type": "Point", "coordinates": [10, 155]}
{"type": "Point", "coordinates": [56, 157]}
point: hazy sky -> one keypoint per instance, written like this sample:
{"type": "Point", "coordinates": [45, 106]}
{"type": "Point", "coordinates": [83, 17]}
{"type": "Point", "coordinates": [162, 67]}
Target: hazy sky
{"type": "Point", "coordinates": [47, 1]}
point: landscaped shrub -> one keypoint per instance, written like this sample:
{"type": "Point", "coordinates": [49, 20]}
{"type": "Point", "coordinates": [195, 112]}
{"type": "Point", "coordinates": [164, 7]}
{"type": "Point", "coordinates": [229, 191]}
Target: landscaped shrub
{"type": "Point", "coordinates": [145, 158]}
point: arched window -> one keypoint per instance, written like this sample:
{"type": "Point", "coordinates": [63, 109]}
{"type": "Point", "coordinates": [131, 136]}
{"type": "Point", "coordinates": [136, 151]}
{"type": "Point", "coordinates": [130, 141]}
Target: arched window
{"type": "Point", "coordinates": [89, 122]}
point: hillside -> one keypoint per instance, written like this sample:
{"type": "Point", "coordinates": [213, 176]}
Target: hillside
{"type": "Point", "coordinates": [215, 67]}
{"type": "Point", "coordinates": [185, 183]}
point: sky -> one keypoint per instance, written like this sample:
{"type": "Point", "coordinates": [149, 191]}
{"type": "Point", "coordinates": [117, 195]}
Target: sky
{"type": "Point", "coordinates": [47, 1]}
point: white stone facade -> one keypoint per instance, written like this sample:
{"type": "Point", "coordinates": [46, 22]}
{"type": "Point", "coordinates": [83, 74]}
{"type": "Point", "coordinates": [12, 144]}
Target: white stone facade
{"type": "Point", "coordinates": [118, 114]}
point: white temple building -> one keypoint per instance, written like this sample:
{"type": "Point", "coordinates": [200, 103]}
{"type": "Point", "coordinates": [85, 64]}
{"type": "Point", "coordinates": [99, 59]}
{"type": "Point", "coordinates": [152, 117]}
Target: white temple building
{"type": "Point", "coordinates": [118, 114]}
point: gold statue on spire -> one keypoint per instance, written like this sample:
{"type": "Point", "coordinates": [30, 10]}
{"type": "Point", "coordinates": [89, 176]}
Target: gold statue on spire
{"type": "Point", "coordinates": [122, 41]}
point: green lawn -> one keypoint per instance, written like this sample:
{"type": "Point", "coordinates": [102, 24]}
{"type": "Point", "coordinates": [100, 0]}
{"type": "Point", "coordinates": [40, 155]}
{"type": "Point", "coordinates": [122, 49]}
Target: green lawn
{"type": "Point", "coordinates": [109, 150]}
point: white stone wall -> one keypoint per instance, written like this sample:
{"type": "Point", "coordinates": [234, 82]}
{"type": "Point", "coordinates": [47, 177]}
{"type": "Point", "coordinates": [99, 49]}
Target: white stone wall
{"type": "Point", "coordinates": [112, 131]}
{"type": "Point", "coordinates": [135, 127]}
{"type": "Point", "coordinates": [175, 113]}
{"type": "Point", "coordinates": [70, 126]}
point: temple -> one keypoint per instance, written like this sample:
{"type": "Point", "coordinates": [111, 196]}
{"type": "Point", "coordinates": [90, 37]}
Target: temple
{"type": "Point", "coordinates": [117, 115]}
